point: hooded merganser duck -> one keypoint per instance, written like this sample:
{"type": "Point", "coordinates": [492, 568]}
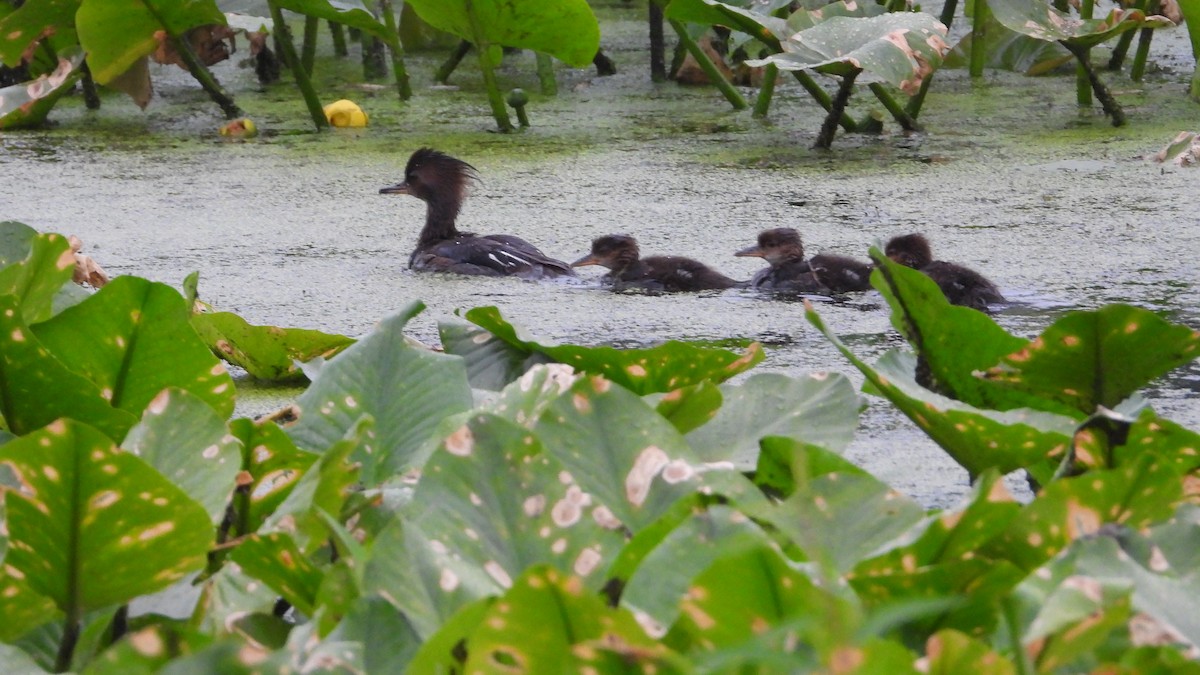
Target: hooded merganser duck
{"type": "Point", "coordinates": [960, 285]}
{"type": "Point", "coordinates": [620, 254]}
{"type": "Point", "coordinates": [789, 271]}
{"type": "Point", "coordinates": [441, 181]}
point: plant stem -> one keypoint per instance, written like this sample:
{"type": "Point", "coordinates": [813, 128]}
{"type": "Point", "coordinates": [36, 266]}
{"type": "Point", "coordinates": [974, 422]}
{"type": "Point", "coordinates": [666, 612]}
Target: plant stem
{"type": "Point", "coordinates": [545, 71]}
{"type": "Point", "coordinates": [1138, 68]}
{"type": "Point", "coordinates": [308, 50]}
{"type": "Point", "coordinates": [284, 37]}
{"type": "Point", "coordinates": [1020, 657]}
{"type": "Point", "coordinates": [374, 66]}
{"type": "Point", "coordinates": [823, 98]}
{"type": "Point", "coordinates": [339, 39]}
{"type": "Point", "coordinates": [499, 111]}
{"type": "Point", "coordinates": [1083, 88]}
{"type": "Point", "coordinates": [70, 638]}
{"type": "Point", "coordinates": [443, 74]}
{"type": "Point", "coordinates": [1111, 107]}
{"type": "Point", "coordinates": [898, 112]}
{"type": "Point", "coordinates": [403, 86]}
{"type": "Point", "coordinates": [914, 104]}
{"type": "Point", "coordinates": [731, 93]}
{"type": "Point", "coordinates": [658, 61]}
{"type": "Point", "coordinates": [91, 97]}
{"type": "Point", "coordinates": [829, 126]}
{"type": "Point", "coordinates": [978, 37]}
{"type": "Point", "coordinates": [766, 91]}
{"type": "Point", "coordinates": [197, 68]}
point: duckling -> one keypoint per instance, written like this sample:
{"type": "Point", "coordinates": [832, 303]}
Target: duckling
{"type": "Point", "coordinates": [960, 285]}
{"type": "Point", "coordinates": [441, 182]}
{"type": "Point", "coordinates": [783, 250]}
{"type": "Point", "coordinates": [620, 254]}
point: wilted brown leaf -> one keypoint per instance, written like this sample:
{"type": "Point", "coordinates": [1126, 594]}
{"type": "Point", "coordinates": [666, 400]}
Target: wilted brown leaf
{"type": "Point", "coordinates": [87, 271]}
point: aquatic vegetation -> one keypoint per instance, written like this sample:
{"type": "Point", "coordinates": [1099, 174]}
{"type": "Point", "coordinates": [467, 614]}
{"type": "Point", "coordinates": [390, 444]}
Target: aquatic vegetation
{"type": "Point", "coordinates": [628, 507]}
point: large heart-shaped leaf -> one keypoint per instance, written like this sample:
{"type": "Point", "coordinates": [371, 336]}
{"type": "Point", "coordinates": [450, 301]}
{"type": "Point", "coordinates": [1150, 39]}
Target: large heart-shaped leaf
{"type": "Point", "coordinates": [747, 16]}
{"type": "Point", "coordinates": [187, 442]}
{"type": "Point", "coordinates": [1045, 22]}
{"type": "Point", "coordinates": [266, 352]}
{"type": "Point", "coordinates": [277, 561]}
{"type": "Point", "coordinates": [36, 388]}
{"type": "Point", "coordinates": [1097, 358]}
{"type": "Point", "coordinates": [898, 48]}
{"type": "Point", "coordinates": [33, 22]}
{"type": "Point", "coordinates": [353, 13]}
{"type": "Point", "coordinates": [564, 29]}
{"type": "Point", "coordinates": [27, 105]}
{"type": "Point", "coordinates": [493, 500]}
{"type": "Point", "coordinates": [491, 363]}
{"type": "Point", "coordinates": [819, 408]}
{"type": "Point", "coordinates": [977, 439]}
{"type": "Point", "coordinates": [408, 390]}
{"type": "Point", "coordinates": [35, 274]}
{"type": "Point", "coordinates": [91, 526]}
{"type": "Point", "coordinates": [274, 464]}
{"type": "Point", "coordinates": [665, 367]}
{"type": "Point", "coordinates": [116, 33]}
{"type": "Point", "coordinates": [132, 338]}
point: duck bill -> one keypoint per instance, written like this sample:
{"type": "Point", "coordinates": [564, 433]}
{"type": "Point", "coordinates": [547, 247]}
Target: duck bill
{"type": "Point", "coordinates": [750, 252]}
{"type": "Point", "coordinates": [588, 259]}
{"type": "Point", "coordinates": [397, 189]}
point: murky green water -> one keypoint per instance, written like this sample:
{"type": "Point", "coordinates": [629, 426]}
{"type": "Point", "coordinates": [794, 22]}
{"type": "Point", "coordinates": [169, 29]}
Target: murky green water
{"type": "Point", "coordinates": [1054, 205]}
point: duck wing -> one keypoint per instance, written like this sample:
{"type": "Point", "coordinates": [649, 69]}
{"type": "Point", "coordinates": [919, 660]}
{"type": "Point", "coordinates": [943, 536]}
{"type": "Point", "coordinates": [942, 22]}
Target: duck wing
{"type": "Point", "coordinates": [840, 273]}
{"type": "Point", "coordinates": [963, 286]}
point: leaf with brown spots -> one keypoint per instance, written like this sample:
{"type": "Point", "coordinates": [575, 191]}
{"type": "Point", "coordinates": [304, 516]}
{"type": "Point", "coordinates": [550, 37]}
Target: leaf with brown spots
{"type": "Point", "coordinates": [277, 561]}
{"type": "Point", "coordinates": [33, 267]}
{"type": "Point", "coordinates": [117, 33]}
{"type": "Point", "coordinates": [26, 105]}
{"type": "Point", "coordinates": [1097, 358]}
{"type": "Point", "coordinates": [132, 338]}
{"type": "Point", "coordinates": [647, 370]}
{"type": "Point", "coordinates": [272, 465]}
{"type": "Point", "coordinates": [951, 652]}
{"type": "Point", "coordinates": [1045, 22]}
{"type": "Point", "coordinates": [91, 526]}
{"type": "Point", "coordinates": [1178, 446]}
{"type": "Point", "coordinates": [267, 353]}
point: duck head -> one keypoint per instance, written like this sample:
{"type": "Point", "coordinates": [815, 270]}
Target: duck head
{"type": "Point", "coordinates": [776, 246]}
{"type": "Point", "coordinates": [613, 251]}
{"type": "Point", "coordinates": [910, 250]}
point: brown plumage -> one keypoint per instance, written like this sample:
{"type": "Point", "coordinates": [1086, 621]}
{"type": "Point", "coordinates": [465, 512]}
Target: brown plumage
{"type": "Point", "coordinates": [620, 254]}
{"type": "Point", "coordinates": [441, 182]}
{"type": "Point", "coordinates": [960, 285]}
{"type": "Point", "coordinates": [783, 250]}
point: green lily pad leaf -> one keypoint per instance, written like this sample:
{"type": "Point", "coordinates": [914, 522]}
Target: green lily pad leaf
{"type": "Point", "coordinates": [386, 638]}
{"type": "Point", "coordinates": [52, 21]}
{"type": "Point", "coordinates": [819, 408]}
{"type": "Point", "coordinates": [91, 526]}
{"type": "Point", "coordinates": [491, 363]}
{"type": "Point", "coordinates": [35, 277]}
{"type": "Point", "coordinates": [23, 609]}
{"type": "Point", "coordinates": [937, 330]}
{"type": "Point", "coordinates": [274, 464]}
{"type": "Point", "coordinates": [975, 438]}
{"type": "Point", "coordinates": [1097, 358]}
{"type": "Point", "coordinates": [524, 400]}
{"type": "Point", "coordinates": [277, 561]}
{"type": "Point", "coordinates": [1134, 495]}
{"type": "Point", "coordinates": [1177, 445]}
{"type": "Point", "coordinates": [1045, 22]}
{"type": "Point", "coordinates": [266, 352]}
{"type": "Point", "coordinates": [1074, 618]}
{"type": "Point", "coordinates": [620, 451]}
{"type": "Point", "coordinates": [540, 621]}
{"type": "Point", "coordinates": [688, 408]}
{"type": "Point", "coordinates": [840, 515]}
{"type": "Point", "coordinates": [745, 594]}
{"type": "Point", "coordinates": [941, 561]}
{"type": "Point", "coordinates": [807, 18]}
{"type": "Point", "coordinates": [230, 594]}
{"type": "Point", "coordinates": [747, 16]}
{"type": "Point", "coordinates": [897, 48]}
{"type": "Point", "coordinates": [495, 501]}
{"type": "Point", "coordinates": [661, 580]}
{"type": "Point", "coordinates": [116, 33]}
{"type": "Point", "coordinates": [564, 29]}
{"type": "Point", "coordinates": [185, 439]}
{"type": "Point", "coordinates": [132, 338]}
{"type": "Point", "coordinates": [442, 651]}
{"type": "Point", "coordinates": [38, 389]}
{"type": "Point", "coordinates": [406, 389]}
{"type": "Point", "coordinates": [665, 367]}
{"type": "Point", "coordinates": [352, 13]}
{"type": "Point", "coordinates": [322, 489]}
{"type": "Point", "coordinates": [951, 652]}
{"type": "Point", "coordinates": [27, 105]}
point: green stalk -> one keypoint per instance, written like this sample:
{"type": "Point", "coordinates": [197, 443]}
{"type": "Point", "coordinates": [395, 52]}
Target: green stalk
{"type": "Point", "coordinates": [545, 71]}
{"type": "Point", "coordinates": [1111, 107]}
{"type": "Point", "coordinates": [197, 68]}
{"type": "Point", "coordinates": [1118, 56]}
{"type": "Point", "coordinates": [731, 93]}
{"type": "Point", "coordinates": [915, 103]}
{"type": "Point", "coordinates": [823, 98]}
{"type": "Point", "coordinates": [1138, 68]}
{"type": "Point", "coordinates": [829, 126]}
{"type": "Point", "coordinates": [898, 112]}
{"type": "Point", "coordinates": [658, 59]}
{"type": "Point", "coordinates": [403, 86]}
{"type": "Point", "coordinates": [766, 91]}
{"type": "Point", "coordinates": [339, 39]}
{"type": "Point", "coordinates": [284, 37]}
{"type": "Point", "coordinates": [308, 50]}
{"type": "Point", "coordinates": [1083, 86]}
{"type": "Point", "coordinates": [978, 37]}
{"type": "Point", "coordinates": [91, 97]}
{"type": "Point", "coordinates": [442, 76]}
{"type": "Point", "coordinates": [499, 111]}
